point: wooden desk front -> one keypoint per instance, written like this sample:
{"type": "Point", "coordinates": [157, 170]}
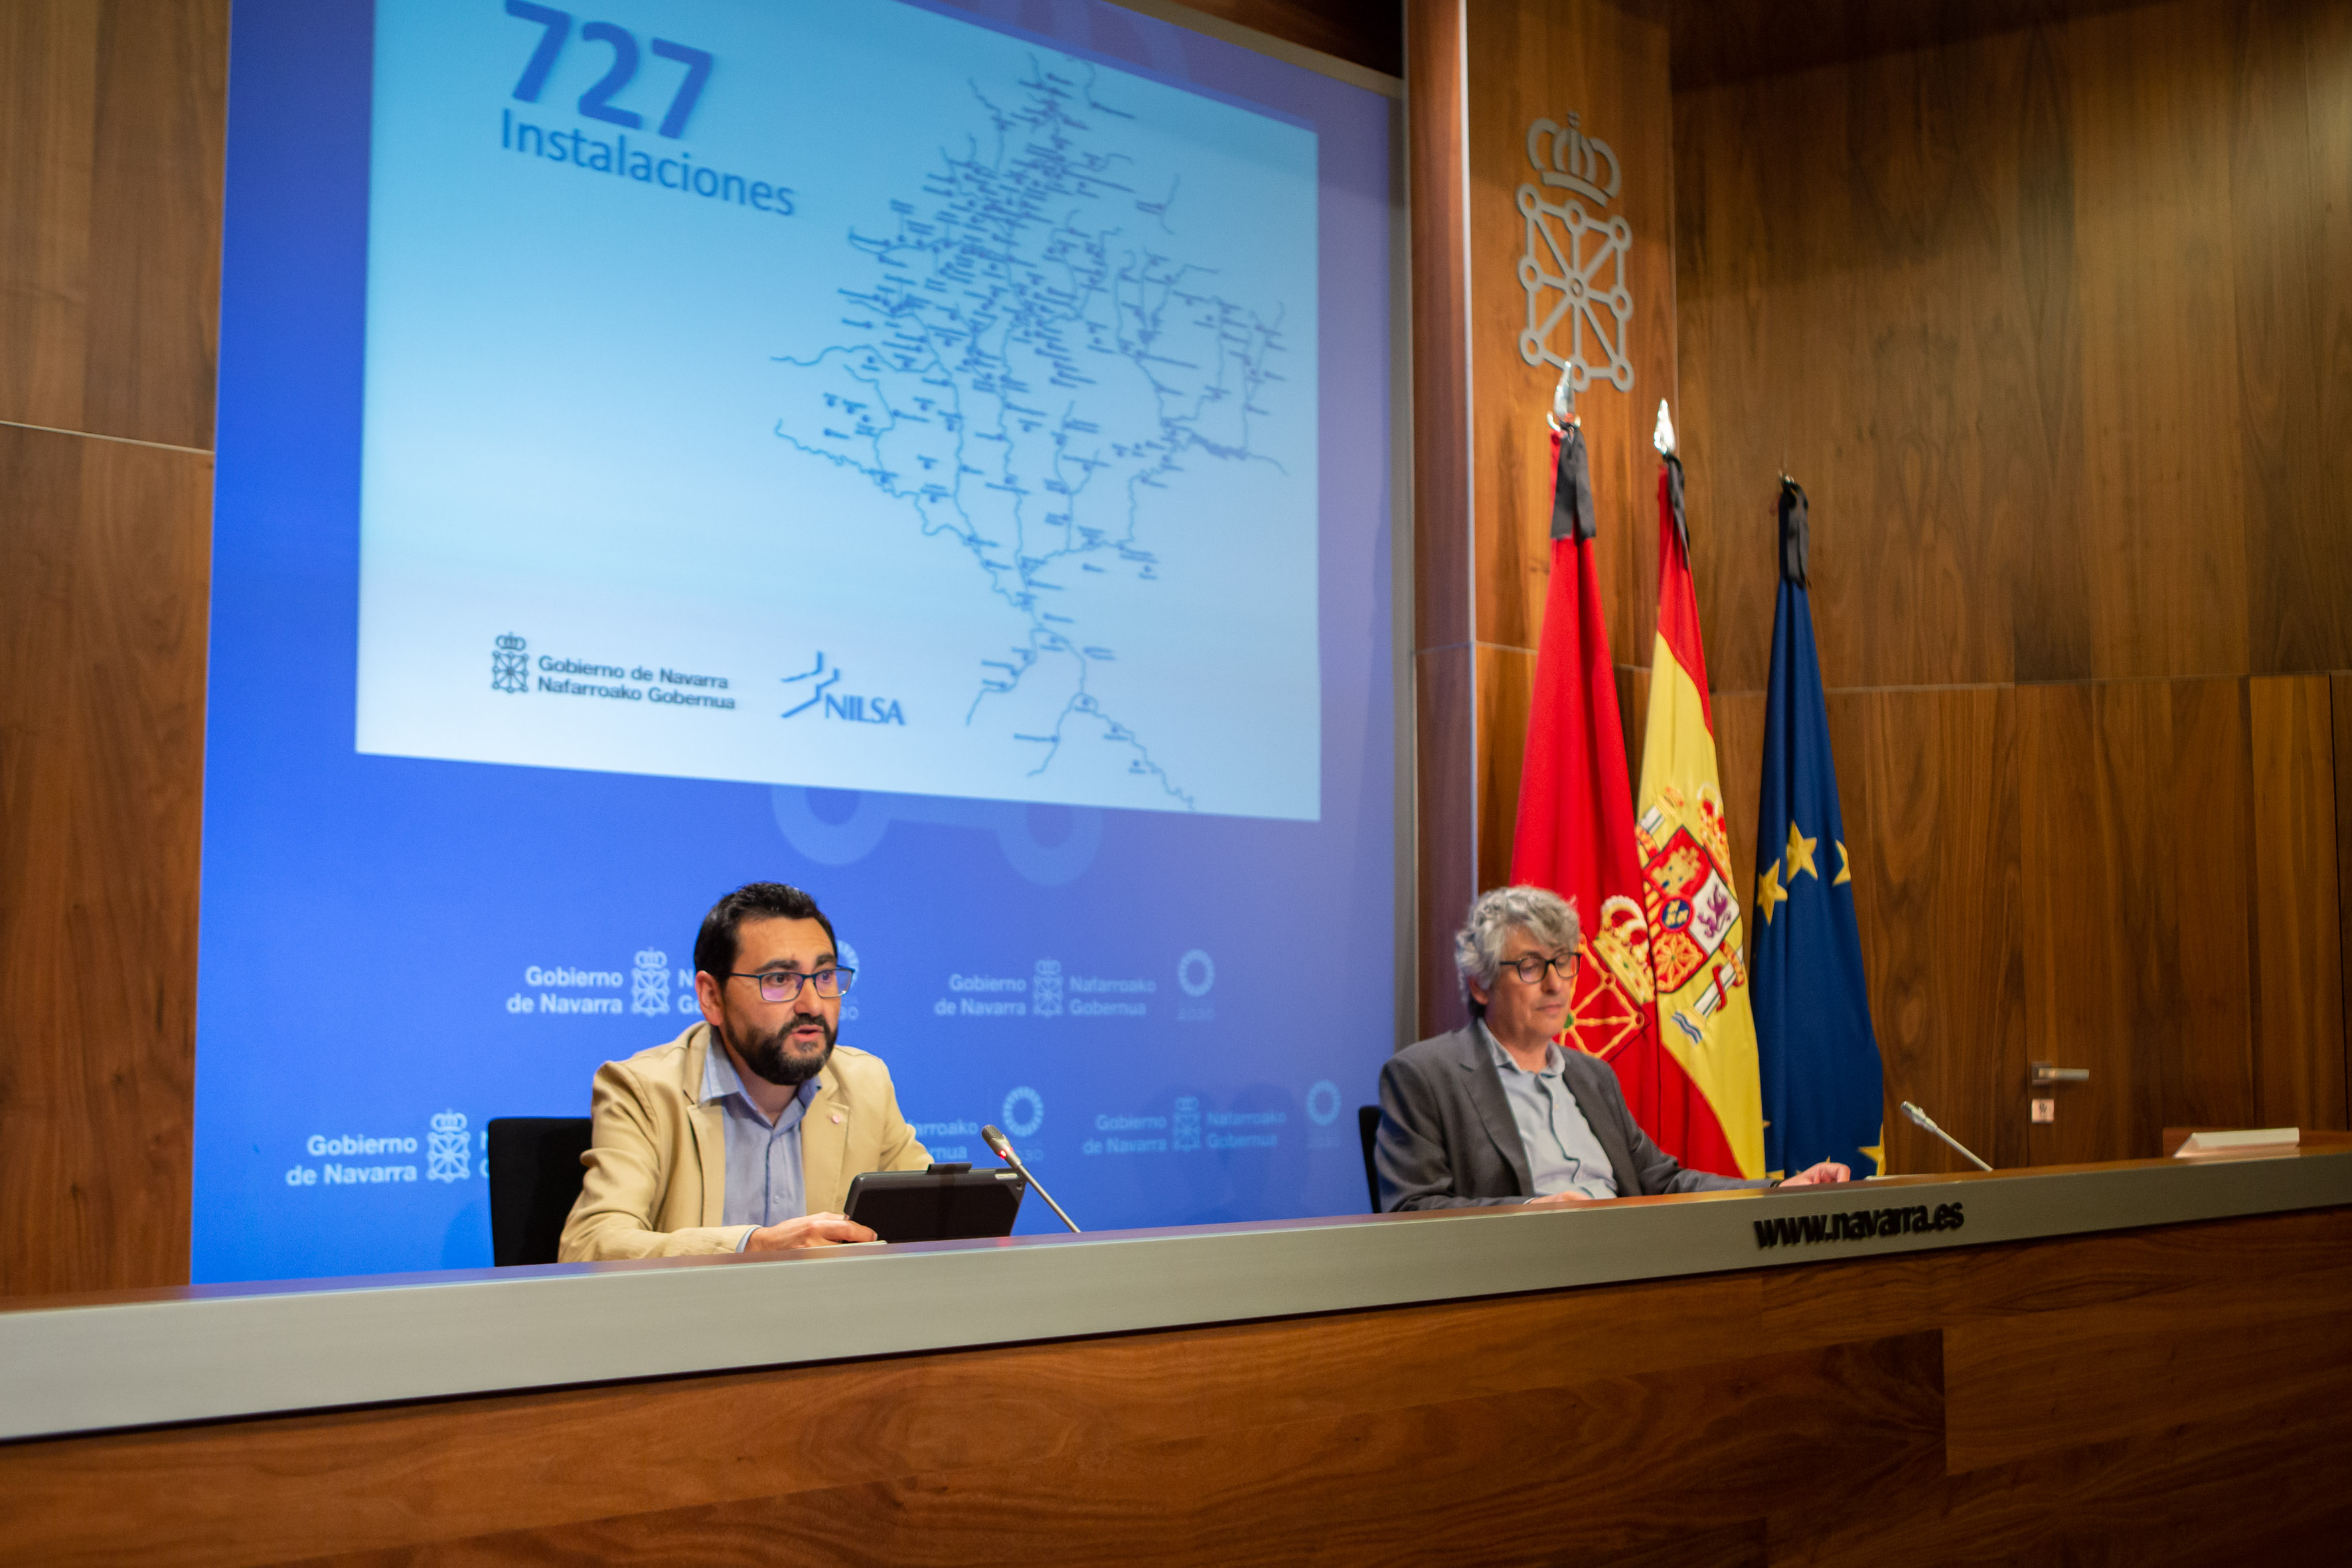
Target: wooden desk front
{"type": "Point", "coordinates": [2167, 1393]}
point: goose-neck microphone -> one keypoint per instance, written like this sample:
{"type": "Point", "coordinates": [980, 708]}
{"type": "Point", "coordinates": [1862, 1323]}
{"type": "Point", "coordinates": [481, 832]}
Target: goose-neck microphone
{"type": "Point", "coordinates": [1921, 1117]}
{"type": "Point", "coordinates": [1002, 1147]}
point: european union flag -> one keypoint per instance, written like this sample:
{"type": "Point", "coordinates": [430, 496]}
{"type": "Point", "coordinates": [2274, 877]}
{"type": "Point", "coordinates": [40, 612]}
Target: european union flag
{"type": "Point", "coordinates": [1825, 1088]}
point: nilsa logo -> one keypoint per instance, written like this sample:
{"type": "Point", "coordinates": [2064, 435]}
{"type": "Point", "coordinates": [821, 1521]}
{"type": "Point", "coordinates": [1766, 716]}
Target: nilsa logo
{"type": "Point", "coordinates": [651, 992]}
{"type": "Point", "coordinates": [448, 1156]}
{"type": "Point", "coordinates": [1857, 1224]}
{"type": "Point", "coordinates": [510, 671]}
{"type": "Point", "coordinates": [1046, 989]}
{"type": "Point", "coordinates": [1323, 1102]}
{"type": "Point", "coordinates": [1023, 1112]}
{"type": "Point", "coordinates": [814, 689]}
{"type": "Point", "coordinates": [1572, 262]}
{"type": "Point", "coordinates": [1196, 973]}
{"type": "Point", "coordinates": [1185, 1127]}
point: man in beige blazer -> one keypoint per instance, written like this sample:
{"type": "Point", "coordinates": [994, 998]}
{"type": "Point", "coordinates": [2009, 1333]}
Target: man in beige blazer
{"type": "Point", "coordinates": [758, 1089]}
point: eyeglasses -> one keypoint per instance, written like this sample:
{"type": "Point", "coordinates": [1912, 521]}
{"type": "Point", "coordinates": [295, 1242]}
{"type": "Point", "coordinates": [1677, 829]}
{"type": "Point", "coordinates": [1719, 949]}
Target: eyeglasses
{"type": "Point", "coordinates": [1530, 966]}
{"type": "Point", "coordinates": [783, 985]}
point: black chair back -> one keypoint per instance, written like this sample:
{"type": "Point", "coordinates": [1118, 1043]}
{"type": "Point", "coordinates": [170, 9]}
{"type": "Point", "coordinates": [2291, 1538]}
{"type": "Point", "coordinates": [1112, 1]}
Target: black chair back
{"type": "Point", "coordinates": [535, 1177]}
{"type": "Point", "coordinates": [1367, 1127]}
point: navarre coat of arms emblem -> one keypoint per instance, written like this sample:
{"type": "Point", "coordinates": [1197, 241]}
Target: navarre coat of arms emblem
{"type": "Point", "coordinates": [509, 670]}
{"type": "Point", "coordinates": [449, 1152]}
{"type": "Point", "coordinates": [1572, 261]}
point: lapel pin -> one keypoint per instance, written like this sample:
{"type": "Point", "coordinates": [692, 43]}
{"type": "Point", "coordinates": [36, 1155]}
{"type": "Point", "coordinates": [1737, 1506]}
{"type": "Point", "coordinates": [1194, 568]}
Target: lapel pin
{"type": "Point", "coordinates": [838, 1118]}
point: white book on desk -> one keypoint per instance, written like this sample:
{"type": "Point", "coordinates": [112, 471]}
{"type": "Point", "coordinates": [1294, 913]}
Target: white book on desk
{"type": "Point", "coordinates": [2242, 1141]}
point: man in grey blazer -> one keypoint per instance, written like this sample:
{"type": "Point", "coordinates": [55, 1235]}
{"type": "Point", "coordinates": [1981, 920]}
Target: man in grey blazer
{"type": "Point", "coordinates": [1497, 1113]}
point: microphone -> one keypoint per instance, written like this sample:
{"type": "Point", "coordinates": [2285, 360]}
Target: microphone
{"type": "Point", "coordinates": [1002, 1147]}
{"type": "Point", "coordinates": [1921, 1117]}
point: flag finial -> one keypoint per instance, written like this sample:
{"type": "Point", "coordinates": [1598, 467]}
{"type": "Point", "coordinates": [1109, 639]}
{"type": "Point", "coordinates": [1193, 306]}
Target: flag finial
{"type": "Point", "coordinates": [1563, 399]}
{"type": "Point", "coordinates": [1796, 533]}
{"type": "Point", "coordinates": [1663, 438]}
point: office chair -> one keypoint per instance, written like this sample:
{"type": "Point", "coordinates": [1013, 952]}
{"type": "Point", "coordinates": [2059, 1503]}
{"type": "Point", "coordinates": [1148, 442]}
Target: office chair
{"type": "Point", "coordinates": [535, 1177]}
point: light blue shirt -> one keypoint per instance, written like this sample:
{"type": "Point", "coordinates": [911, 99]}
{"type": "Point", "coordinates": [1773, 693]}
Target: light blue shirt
{"type": "Point", "coordinates": [1563, 1154]}
{"type": "Point", "coordinates": [763, 1157]}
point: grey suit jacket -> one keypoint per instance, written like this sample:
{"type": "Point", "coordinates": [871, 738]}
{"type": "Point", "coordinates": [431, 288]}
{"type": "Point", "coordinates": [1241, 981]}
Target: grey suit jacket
{"type": "Point", "coordinates": [1447, 1139]}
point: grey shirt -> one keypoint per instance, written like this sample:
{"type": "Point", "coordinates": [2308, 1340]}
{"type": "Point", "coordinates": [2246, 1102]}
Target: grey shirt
{"type": "Point", "coordinates": [763, 1158]}
{"type": "Point", "coordinates": [1564, 1154]}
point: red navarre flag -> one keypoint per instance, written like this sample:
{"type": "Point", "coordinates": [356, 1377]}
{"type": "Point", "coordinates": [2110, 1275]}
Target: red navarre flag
{"type": "Point", "coordinates": [1575, 807]}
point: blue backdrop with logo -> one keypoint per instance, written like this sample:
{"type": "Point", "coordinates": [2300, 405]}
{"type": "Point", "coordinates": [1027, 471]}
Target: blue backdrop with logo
{"type": "Point", "coordinates": [608, 515]}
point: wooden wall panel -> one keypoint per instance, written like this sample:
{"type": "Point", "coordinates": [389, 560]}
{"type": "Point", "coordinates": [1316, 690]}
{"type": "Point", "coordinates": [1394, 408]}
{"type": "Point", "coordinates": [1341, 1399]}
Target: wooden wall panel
{"type": "Point", "coordinates": [1484, 477]}
{"type": "Point", "coordinates": [104, 558]}
{"type": "Point", "coordinates": [1960, 269]}
{"type": "Point", "coordinates": [1443, 492]}
{"type": "Point", "coordinates": [1605, 62]}
{"type": "Point", "coordinates": [1739, 758]}
{"type": "Point", "coordinates": [2339, 690]}
{"type": "Point", "coordinates": [2290, 162]}
{"type": "Point", "coordinates": [1507, 681]}
{"type": "Point", "coordinates": [1968, 283]}
{"type": "Point", "coordinates": [1369, 35]}
{"type": "Point", "coordinates": [1855, 312]}
{"type": "Point", "coordinates": [1929, 786]}
{"type": "Point", "coordinates": [2162, 514]}
{"type": "Point", "coordinates": [2137, 882]}
{"type": "Point", "coordinates": [1446, 717]}
{"type": "Point", "coordinates": [2296, 928]}
{"type": "Point", "coordinates": [1446, 819]}
{"type": "Point", "coordinates": [111, 126]}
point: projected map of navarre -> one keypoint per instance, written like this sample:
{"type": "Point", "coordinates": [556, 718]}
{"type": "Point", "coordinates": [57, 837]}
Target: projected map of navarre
{"type": "Point", "coordinates": [909, 406]}
{"type": "Point", "coordinates": [1030, 354]}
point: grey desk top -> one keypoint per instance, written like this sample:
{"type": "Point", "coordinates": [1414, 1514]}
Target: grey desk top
{"type": "Point", "coordinates": [90, 1364]}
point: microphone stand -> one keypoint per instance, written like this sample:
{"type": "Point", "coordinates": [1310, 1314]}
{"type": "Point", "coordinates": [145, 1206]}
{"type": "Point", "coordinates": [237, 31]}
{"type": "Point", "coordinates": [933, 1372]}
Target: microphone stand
{"type": "Point", "coordinates": [1002, 1147]}
{"type": "Point", "coordinates": [1919, 1116]}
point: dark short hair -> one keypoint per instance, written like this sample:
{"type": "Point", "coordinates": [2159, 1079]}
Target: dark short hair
{"type": "Point", "coordinates": [714, 947]}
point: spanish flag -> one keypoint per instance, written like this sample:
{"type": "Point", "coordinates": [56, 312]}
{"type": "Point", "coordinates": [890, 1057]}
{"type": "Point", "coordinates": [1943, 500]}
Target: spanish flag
{"type": "Point", "coordinates": [1711, 1118]}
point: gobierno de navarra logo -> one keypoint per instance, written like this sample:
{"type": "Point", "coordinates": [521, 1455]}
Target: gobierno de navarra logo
{"type": "Point", "coordinates": [509, 670]}
{"type": "Point", "coordinates": [658, 685]}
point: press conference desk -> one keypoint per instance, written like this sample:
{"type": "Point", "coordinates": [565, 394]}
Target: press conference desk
{"type": "Point", "coordinates": [2153, 1357]}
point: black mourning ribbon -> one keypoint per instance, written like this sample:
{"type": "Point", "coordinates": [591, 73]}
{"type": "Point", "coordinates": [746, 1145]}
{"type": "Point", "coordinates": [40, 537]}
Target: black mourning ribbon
{"type": "Point", "coordinates": [1795, 537]}
{"type": "Point", "coordinates": [1675, 501]}
{"type": "Point", "coordinates": [1572, 490]}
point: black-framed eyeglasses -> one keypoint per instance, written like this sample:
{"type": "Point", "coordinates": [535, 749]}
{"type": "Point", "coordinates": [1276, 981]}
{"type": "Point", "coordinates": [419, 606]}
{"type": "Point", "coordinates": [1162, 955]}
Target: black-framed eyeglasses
{"type": "Point", "coordinates": [1530, 966]}
{"type": "Point", "coordinates": [783, 985]}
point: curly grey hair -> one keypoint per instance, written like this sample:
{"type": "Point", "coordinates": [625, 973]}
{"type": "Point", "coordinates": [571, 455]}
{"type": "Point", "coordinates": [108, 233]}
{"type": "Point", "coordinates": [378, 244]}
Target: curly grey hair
{"type": "Point", "coordinates": [1478, 945]}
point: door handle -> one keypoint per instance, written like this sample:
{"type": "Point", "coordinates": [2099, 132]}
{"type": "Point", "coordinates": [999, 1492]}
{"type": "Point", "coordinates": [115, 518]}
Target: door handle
{"type": "Point", "coordinates": [2043, 1072]}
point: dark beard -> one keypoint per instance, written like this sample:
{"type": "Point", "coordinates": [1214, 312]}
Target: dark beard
{"type": "Point", "coordinates": [766, 1057]}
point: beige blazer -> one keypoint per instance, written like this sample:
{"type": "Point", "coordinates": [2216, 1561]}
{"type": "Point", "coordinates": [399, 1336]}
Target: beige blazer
{"type": "Point", "coordinates": [656, 1180]}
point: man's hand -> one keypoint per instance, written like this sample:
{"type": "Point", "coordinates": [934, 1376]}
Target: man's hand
{"type": "Point", "coordinates": [1821, 1176]}
{"type": "Point", "coordinates": [816, 1230]}
{"type": "Point", "coordinates": [1559, 1201]}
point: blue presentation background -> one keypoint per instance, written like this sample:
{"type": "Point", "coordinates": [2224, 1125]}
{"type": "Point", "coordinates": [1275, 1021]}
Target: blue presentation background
{"type": "Point", "coordinates": [364, 919]}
